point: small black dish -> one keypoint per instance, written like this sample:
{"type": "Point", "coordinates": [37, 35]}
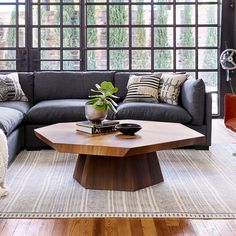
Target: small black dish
{"type": "Point", "coordinates": [128, 128]}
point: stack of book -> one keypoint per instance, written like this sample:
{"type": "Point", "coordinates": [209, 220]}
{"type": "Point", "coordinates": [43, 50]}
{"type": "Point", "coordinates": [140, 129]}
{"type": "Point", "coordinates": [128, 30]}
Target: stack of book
{"type": "Point", "coordinates": [93, 128]}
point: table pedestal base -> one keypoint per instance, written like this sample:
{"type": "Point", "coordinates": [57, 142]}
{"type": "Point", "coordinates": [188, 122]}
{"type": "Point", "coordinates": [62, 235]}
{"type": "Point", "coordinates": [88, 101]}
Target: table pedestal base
{"type": "Point", "coordinates": [118, 173]}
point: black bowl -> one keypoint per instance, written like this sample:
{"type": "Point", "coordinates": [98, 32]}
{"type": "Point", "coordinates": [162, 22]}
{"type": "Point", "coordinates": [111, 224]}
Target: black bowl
{"type": "Point", "coordinates": [128, 128]}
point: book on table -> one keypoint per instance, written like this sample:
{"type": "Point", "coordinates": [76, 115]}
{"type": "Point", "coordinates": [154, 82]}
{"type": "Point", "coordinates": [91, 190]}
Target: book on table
{"type": "Point", "coordinates": [93, 128]}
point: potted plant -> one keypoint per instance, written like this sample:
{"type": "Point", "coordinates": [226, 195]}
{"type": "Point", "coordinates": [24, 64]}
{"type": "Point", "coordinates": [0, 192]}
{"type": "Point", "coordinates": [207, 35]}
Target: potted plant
{"type": "Point", "coordinates": [96, 108]}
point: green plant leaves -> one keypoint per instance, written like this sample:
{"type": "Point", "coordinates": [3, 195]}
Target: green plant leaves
{"type": "Point", "coordinates": [107, 87]}
{"type": "Point", "coordinates": [104, 100]}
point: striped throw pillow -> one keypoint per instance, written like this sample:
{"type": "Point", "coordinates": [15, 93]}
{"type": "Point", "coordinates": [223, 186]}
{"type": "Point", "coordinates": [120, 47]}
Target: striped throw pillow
{"type": "Point", "coordinates": [143, 88]}
{"type": "Point", "coordinates": [10, 88]}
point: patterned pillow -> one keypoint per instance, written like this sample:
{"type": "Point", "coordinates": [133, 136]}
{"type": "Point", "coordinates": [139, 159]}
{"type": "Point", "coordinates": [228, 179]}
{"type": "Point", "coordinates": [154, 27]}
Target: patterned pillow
{"type": "Point", "coordinates": [143, 88]}
{"type": "Point", "coordinates": [170, 86]}
{"type": "Point", "coordinates": [10, 88]}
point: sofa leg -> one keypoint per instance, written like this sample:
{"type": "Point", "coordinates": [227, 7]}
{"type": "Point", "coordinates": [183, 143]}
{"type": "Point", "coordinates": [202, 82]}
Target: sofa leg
{"type": "Point", "coordinates": [201, 147]}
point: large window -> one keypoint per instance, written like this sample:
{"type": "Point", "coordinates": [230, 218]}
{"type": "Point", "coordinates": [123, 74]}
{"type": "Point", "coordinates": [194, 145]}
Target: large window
{"type": "Point", "coordinates": [125, 35]}
{"type": "Point", "coordinates": [12, 34]}
{"type": "Point", "coordinates": [56, 30]}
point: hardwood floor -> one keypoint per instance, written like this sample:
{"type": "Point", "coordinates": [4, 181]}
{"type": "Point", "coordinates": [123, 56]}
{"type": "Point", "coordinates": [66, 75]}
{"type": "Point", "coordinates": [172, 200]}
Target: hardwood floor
{"type": "Point", "coordinates": [126, 226]}
{"type": "Point", "coordinates": [116, 226]}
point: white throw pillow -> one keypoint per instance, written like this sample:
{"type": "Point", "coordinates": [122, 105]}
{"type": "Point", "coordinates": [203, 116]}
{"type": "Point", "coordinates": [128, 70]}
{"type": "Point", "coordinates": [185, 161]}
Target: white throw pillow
{"type": "Point", "coordinates": [10, 88]}
{"type": "Point", "coordinates": [170, 87]}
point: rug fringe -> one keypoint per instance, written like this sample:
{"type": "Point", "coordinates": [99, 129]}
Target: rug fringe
{"type": "Point", "coordinates": [118, 215]}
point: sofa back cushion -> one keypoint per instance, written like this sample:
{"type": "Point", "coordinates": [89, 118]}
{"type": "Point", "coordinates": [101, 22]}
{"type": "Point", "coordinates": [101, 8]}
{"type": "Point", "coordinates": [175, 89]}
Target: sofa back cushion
{"type": "Point", "coordinates": [67, 85]}
{"type": "Point", "coordinates": [193, 99]}
{"type": "Point", "coordinates": [26, 80]}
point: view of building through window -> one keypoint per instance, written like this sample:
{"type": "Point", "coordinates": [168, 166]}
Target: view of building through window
{"type": "Point", "coordinates": [134, 35]}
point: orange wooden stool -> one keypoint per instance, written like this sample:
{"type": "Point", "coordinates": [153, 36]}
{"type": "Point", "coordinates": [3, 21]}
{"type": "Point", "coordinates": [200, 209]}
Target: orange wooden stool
{"type": "Point", "coordinates": [230, 112]}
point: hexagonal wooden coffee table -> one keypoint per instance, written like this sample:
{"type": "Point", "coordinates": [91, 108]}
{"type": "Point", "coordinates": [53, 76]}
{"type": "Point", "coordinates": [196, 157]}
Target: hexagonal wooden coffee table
{"type": "Point", "coordinates": [118, 162]}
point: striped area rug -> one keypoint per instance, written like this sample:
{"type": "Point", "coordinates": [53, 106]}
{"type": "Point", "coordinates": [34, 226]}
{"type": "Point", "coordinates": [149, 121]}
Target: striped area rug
{"type": "Point", "coordinates": [198, 184]}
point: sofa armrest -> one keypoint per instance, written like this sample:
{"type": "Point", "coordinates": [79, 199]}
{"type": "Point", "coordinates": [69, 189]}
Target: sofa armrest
{"type": "Point", "coordinates": [193, 100]}
{"type": "Point", "coordinates": [208, 117]}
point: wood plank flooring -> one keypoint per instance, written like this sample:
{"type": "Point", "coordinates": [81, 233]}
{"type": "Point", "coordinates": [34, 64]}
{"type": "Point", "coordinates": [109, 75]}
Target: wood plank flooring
{"type": "Point", "coordinates": [126, 226]}
{"type": "Point", "coordinates": [116, 226]}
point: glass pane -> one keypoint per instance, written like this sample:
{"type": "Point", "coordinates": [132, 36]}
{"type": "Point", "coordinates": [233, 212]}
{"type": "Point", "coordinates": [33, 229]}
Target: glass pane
{"type": "Point", "coordinates": [214, 97]}
{"type": "Point", "coordinates": [141, 59]}
{"type": "Point", "coordinates": [8, 15]}
{"type": "Point", "coordinates": [11, 1]}
{"type": "Point", "coordinates": [185, 37]}
{"type": "Point", "coordinates": [141, 37]}
{"type": "Point", "coordinates": [7, 54]}
{"type": "Point", "coordinates": [97, 59]}
{"type": "Point", "coordinates": [21, 37]}
{"type": "Point", "coordinates": [210, 79]}
{"type": "Point", "coordinates": [192, 74]}
{"type": "Point", "coordinates": [207, 0]}
{"type": "Point", "coordinates": [7, 65]}
{"type": "Point", "coordinates": [21, 14]}
{"type": "Point", "coordinates": [208, 14]}
{"type": "Point", "coordinates": [207, 36]}
{"type": "Point", "coordinates": [75, 1]}
{"type": "Point", "coordinates": [8, 37]}
{"type": "Point", "coordinates": [163, 59]}
{"type": "Point", "coordinates": [35, 15]}
{"type": "Point", "coordinates": [141, 15]}
{"type": "Point", "coordinates": [207, 59]}
{"type": "Point", "coordinates": [96, 37]}
{"type": "Point", "coordinates": [119, 59]}
{"type": "Point", "coordinates": [117, 1]}
{"type": "Point", "coordinates": [71, 65]}
{"type": "Point", "coordinates": [163, 1]}
{"type": "Point", "coordinates": [118, 15]}
{"type": "Point", "coordinates": [71, 15]}
{"type": "Point", "coordinates": [185, 59]}
{"type": "Point", "coordinates": [100, 18]}
{"type": "Point", "coordinates": [97, 1]}
{"type": "Point", "coordinates": [186, 0]}
{"type": "Point", "coordinates": [119, 37]}
{"type": "Point", "coordinates": [185, 14]}
{"type": "Point", "coordinates": [140, 1]}
{"type": "Point", "coordinates": [50, 54]}
{"type": "Point", "coordinates": [50, 37]}
{"type": "Point", "coordinates": [50, 15]}
{"type": "Point", "coordinates": [35, 37]}
{"type": "Point", "coordinates": [163, 37]}
{"type": "Point", "coordinates": [71, 54]}
{"type": "Point", "coordinates": [163, 14]}
{"type": "Point", "coordinates": [71, 37]}
{"type": "Point", "coordinates": [50, 65]}
{"type": "Point", "coordinates": [49, 1]}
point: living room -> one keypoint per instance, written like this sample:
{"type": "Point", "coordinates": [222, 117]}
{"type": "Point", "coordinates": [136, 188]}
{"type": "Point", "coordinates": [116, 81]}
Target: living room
{"type": "Point", "coordinates": [117, 117]}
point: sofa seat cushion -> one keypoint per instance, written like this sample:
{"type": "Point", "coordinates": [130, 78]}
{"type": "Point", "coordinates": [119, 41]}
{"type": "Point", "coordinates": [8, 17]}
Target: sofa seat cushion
{"type": "Point", "coordinates": [53, 111]}
{"type": "Point", "coordinates": [10, 119]}
{"type": "Point", "coordinates": [18, 105]}
{"type": "Point", "coordinates": [153, 111]}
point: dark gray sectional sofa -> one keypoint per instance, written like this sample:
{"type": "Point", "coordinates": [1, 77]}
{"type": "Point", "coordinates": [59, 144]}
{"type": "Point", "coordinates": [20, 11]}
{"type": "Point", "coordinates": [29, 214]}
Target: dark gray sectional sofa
{"type": "Point", "coordinates": [61, 97]}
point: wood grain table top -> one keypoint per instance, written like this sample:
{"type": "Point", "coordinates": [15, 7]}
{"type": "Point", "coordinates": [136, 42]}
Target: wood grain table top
{"type": "Point", "coordinates": [153, 136]}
